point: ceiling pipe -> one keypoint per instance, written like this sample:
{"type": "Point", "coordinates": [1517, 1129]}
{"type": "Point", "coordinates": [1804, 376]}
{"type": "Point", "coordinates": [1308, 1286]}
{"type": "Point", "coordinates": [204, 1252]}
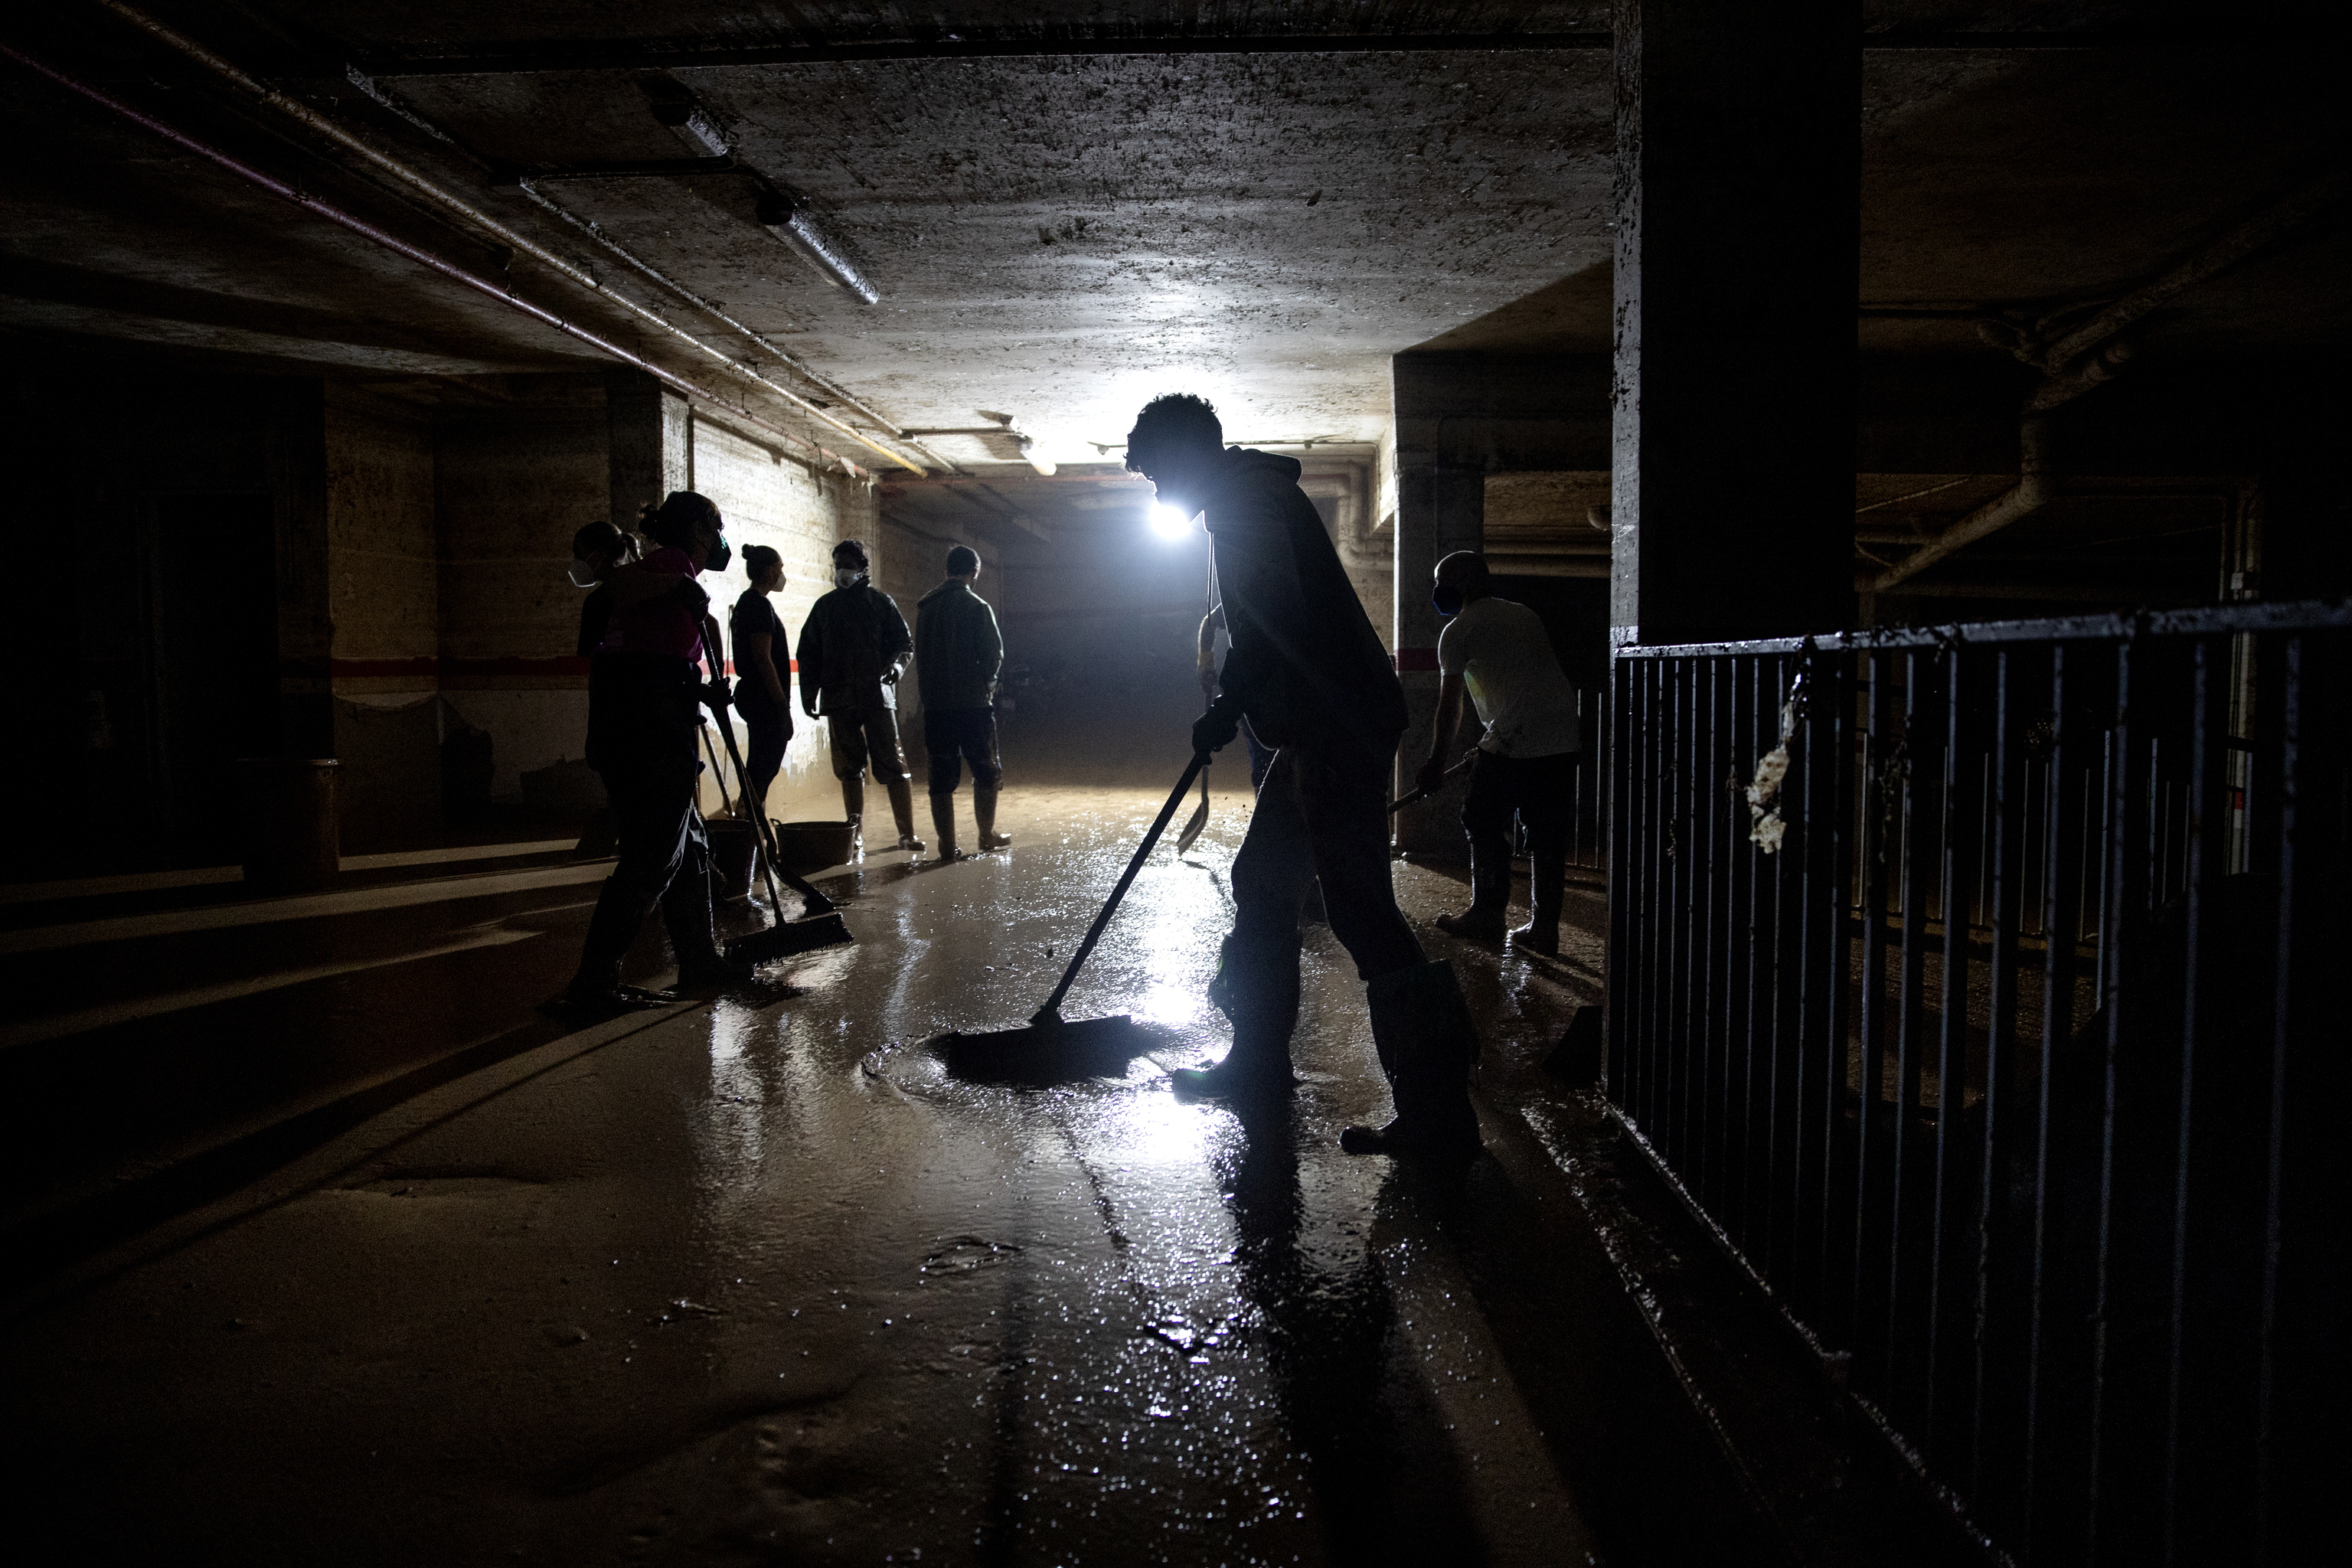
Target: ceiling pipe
{"type": "Point", "coordinates": [311, 118]}
{"type": "Point", "coordinates": [2086, 356]}
{"type": "Point", "coordinates": [400, 247]}
{"type": "Point", "coordinates": [560, 56]}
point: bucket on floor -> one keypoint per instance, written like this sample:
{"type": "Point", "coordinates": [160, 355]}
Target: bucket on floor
{"type": "Point", "coordinates": [732, 843]}
{"type": "Point", "coordinates": [291, 832]}
{"type": "Point", "coordinates": [812, 846]}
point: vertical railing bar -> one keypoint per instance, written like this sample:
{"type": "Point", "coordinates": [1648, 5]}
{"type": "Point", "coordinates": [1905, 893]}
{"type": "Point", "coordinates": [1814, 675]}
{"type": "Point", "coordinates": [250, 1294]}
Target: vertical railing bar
{"type": "Point", "coordinates": [1837, 951]}
{"type": "Point", "coordinates": [2289, 788]}
{"type": "Point", "coordinates": [1910, 1004]}
{"type": "Point", "coordinates": [2062, 886]}
{"type": "Point", "coordinates": [2007, 870]}
{"type": "Point", "coordinates": [2204, 839]}
{"type": "Point", "coordinates": [1869, 1087]}
{"type": "Point", "coordinates": [1961, 819]}
{"type": "Point", "coordinates": [2121, 897]}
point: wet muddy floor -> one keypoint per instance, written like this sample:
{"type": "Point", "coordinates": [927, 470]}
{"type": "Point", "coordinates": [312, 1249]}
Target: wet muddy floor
{"type": "Point", "coordinates": [760, 1280]}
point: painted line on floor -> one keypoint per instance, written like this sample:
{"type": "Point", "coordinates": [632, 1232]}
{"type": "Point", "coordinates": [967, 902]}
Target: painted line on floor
{"type": "Point", "coordinates": [111, 1013]}
{"type": "Point", "coordinates": [135, 882]}
{"type": "Point", "coordinates": [302, 907]}
{"type": "Point", "coordinates": [214, 876]}
{"type": "Point", "coordinates": [456, 853]}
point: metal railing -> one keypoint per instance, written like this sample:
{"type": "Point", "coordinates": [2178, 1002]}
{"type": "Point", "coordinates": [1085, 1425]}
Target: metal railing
{"type": "Point", "coordinates": [1970, 984]}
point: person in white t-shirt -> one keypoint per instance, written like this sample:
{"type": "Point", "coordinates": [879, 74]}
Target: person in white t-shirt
{"type": "Point", "coordinates": [1526, 760]}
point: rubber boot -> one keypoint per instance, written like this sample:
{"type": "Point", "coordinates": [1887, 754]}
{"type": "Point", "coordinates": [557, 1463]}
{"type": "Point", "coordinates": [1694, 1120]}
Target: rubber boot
{"type": "Point", "coordinates": [943, 824]}
{"type": "Point", "coordinates": [1490, 903]}
{"type": "Point", "coordinates": [1264, 1008]}
{"type": "Point", "coordinates": [902, 810]}
{"type": "Point", "coordinates": [1541, 933]}
{"type": "Point", "coordinates": [853, 807]}
{"type": "Point", "coordinates": [983, 811]}
{"type": "Point", "coordinates": [1427, 1041]}
{"type": "Point", "coordinates": [685, 911]}
{"type": "Point", "coordinates": [1547, 887]}
{"type": "Point", "coordinates": [596, 990]}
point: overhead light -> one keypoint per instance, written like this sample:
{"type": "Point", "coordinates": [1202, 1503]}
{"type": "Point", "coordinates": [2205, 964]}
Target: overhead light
{"type": "Point", "coordinates": [694, 129]}
{"type": "Point", "coordinates": [793, 221]}
{"type": "Point", "coordinates": [1169, 522]}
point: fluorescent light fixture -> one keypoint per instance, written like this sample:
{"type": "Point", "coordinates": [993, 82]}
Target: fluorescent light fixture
{"type": "Point", "coordinates": [790, 220]}
{"type": "Point", "coordinates": [1167, 522]}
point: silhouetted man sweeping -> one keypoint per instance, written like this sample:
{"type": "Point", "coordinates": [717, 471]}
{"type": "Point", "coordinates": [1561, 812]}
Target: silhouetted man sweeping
{"type": "Point", "coordinates": [1309, 673]}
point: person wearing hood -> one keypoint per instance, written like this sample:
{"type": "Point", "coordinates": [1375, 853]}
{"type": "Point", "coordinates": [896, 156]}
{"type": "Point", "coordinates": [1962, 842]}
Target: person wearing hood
{"type": "Point", "coordinates": [1312, 678]}
{"type": "Point", "coordinates": [958, 651]}
{"type": "Point", "coordinates": [853, 647]}
{"type": "Point", "coordinates": [646, 692]}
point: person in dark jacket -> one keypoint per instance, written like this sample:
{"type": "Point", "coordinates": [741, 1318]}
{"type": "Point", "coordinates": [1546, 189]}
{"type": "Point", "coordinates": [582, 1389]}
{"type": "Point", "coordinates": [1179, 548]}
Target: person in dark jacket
{"type": "Point", "coordinates": [853, 647]}
{"type": "Point", "coordinates": [958, 651]}
{"type": "Point", "coordinates": [646, 689]}
{"type": "Point", "coordinates": [760, 692]}
{"type": "Point", "coordinates": [1311, 675]}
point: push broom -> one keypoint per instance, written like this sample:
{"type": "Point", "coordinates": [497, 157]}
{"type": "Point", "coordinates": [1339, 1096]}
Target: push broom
{"type": "Point", "coordinates": [820, 926]}
{"type": "Point", "coordinates": [1047, 1032]}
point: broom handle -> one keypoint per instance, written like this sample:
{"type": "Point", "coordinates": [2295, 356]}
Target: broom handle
{"type": "Point", "coordinates": [759, 830]}
{"type": "Point", "coordinates": [1052, 1010]}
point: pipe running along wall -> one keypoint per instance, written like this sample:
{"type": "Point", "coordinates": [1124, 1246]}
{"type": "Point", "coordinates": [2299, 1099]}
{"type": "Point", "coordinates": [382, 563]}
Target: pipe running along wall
{"type": "Point", "coordinates": [2088, 354]}
{"type": "Point", "coordinates": [311, 118]}
{"type": "Point", "coordinates": [393, 243]}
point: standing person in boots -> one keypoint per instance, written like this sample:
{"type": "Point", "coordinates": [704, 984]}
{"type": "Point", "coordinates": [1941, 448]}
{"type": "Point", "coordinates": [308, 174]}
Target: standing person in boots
{"type": "Point", "coordinates": [646, 689]}
{"type": "Point", "coordinates": [958, 651]}
{"type": "Point", "coordinates": [760, 695]}
{"type": "Point", "coordinates": [1310, 675]}
{"type": "Point", "coordinates": [1526, 761]}
{"type": "Point", "coordinates": [853, 648]}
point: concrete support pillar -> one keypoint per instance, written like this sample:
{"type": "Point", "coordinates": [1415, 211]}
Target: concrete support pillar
{"type": "Point", "coordinates": [1738, 233]}
{"type": "Point", "coordinates": [1441, 508]}
{"type": "Point", "coordinates": [652, 442]}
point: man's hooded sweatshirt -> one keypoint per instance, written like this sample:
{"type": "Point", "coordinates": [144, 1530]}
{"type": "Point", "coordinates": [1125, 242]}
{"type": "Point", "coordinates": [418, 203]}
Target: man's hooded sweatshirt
{"type": "Point", "coordinates": [1306, 668]}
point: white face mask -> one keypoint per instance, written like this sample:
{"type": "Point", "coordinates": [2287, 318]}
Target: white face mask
{"type": "Point", "coordinates": [582, 575]}
{"type": "Point", "coordinates": [843, 577]}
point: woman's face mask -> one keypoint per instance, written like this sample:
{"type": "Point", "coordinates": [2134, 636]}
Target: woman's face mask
{"type": "Point", "coordinates": [1445, 599]}
{"type": "Point", "coordinates": [843, 577]}
{"type": "Point", "coordinates": [722, 552]}
{"type": "Point", "coordinates": [582, 573]}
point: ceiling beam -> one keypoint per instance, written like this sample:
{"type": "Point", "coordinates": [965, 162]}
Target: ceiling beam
{"type": "Point", "coordinates": [525, 58]}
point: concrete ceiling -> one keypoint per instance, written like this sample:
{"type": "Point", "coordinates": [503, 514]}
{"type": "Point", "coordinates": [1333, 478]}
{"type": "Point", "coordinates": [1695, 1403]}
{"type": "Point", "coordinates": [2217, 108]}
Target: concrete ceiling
{"type": "Point", "coordinates": [1060, 235]}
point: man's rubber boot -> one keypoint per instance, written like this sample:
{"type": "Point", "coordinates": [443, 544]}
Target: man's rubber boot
{"type": "Point", "coordinates": [1427, 1040]}
{"type": "Point", "coordinates": [1489, 913]}
{"type": "Point", "coordinates": [902, 811]}
{"type": "Point", "coordinates": [853, 807]}
{"type": "Point", "coordinates": [943, 824]}
{"type": "Point", "coordinates": [983, 811]}
{"type": "Point", "coordinates": [685, 911]}
{"type": "Point", "coordinates": [1546, 890]}
{"type": "Point", "coordinates": [1264, 1008]}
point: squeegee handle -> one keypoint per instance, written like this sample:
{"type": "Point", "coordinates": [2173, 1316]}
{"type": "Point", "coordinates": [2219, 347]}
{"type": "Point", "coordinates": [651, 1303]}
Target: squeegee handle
{"type": "Point", "coordinates": [1053, 1007]}
{"type": "Point", "coordinates": [762, 834]}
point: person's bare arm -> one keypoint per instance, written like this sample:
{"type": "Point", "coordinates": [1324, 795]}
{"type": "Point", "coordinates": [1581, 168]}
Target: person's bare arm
{"type": "Point", "coordinates": [1441, 734]}
{"type": "Point", "coordinates": [1204, 656]}
{"type": "Point", "coordinates": [753, 658]}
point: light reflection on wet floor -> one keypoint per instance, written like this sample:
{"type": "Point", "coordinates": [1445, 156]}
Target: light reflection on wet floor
{"type": "Point", "coordinates": [766, 1282]}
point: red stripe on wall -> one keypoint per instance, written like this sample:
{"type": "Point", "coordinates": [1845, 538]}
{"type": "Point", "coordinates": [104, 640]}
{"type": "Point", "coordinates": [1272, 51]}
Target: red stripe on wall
{"type": "Point", "coordinates": [1416, 658]}
{"type": "Point", "coordinates": [382, 668]}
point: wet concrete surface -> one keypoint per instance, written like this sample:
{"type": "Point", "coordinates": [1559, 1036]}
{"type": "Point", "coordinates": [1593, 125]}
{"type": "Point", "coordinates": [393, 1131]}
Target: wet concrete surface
{"type": "Point", "coordinates": [758, 1280]}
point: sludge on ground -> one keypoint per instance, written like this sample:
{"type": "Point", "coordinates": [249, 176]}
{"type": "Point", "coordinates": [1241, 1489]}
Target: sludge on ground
{"type": "Point", "coordinates": [764, 1282]}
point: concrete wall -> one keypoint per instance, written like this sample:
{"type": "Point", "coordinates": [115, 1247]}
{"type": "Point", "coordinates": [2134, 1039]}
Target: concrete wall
{"type": "Point", "coordinates": [519, 467]}
{"type": "Point", "coordinates": [384, 598]}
